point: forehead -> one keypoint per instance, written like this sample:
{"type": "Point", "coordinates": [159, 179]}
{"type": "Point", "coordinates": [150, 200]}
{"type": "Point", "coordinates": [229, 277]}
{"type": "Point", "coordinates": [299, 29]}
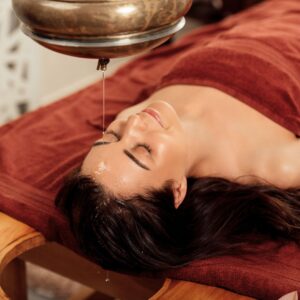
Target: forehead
{"type": "Point", "coordinates": [110, 166]}
{"type": "Point", "coordinates": [103, 152]}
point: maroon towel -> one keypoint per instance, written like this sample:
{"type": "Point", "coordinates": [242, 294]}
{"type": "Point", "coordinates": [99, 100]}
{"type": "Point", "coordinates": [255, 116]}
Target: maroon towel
{"type": "Point", "coordinates": [253, 56]}
{"type": "Point", "coordinates": [269, 275]}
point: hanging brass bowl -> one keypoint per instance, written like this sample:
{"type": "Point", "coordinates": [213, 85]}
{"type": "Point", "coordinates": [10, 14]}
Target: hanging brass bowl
{"type": "Point", "coordinates": [101, 28]}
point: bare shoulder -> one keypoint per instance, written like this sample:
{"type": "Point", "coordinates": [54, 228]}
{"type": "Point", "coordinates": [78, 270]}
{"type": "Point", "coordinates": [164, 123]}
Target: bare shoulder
{"type": "Point", "coordinates": [284, 166]}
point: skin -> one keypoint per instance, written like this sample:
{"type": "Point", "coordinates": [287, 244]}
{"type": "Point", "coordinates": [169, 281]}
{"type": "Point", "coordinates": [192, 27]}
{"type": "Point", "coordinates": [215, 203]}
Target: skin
{"type": "Point", "coordinates": [198, 138]}
{"type": "Point", "coordinates": [168, 145]}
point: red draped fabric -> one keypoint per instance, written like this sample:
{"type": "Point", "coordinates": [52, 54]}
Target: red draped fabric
{"type": "Point", "coordinates": [253, 56]}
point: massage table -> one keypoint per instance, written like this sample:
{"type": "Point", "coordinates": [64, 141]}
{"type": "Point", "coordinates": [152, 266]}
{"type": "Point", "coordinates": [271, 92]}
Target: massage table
{"type": "Point", "coordinates": [39, 149]}
{"type": "Point", "coordinates": [20, 243]}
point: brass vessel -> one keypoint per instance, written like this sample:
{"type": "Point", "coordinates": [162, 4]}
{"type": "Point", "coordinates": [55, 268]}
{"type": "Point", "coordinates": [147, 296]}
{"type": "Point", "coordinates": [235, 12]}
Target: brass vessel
{"type": "Point", "coordinates": [101, 28]}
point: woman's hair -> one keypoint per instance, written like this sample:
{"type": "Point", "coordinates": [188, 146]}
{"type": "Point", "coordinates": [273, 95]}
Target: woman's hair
{"type": "Point", "coordinates": [146, 232]}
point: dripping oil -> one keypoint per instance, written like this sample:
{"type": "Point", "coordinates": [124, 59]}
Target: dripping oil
{"type": "Point", "coordinates": [102, 65]}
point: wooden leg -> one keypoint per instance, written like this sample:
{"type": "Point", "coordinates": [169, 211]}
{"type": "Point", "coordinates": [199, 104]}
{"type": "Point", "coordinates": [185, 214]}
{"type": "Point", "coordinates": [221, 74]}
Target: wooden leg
{"type": "Point", "coordinates": [14, 280]}
{"type": "Point", "coordinates": [67, 263]}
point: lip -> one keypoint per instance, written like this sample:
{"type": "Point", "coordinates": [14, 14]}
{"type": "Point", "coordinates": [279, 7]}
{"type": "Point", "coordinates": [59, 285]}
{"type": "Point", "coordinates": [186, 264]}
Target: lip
{"type": "Point", "coordinates": [155, 114]}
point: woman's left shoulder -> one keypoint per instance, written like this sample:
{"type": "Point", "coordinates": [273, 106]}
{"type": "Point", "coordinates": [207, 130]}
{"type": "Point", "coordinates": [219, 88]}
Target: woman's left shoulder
{"type": "Point", "coordinates": [285, 166]}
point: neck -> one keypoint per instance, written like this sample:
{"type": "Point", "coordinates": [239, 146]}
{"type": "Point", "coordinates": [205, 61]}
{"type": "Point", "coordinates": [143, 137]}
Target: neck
{"type": "Point", "coordinates": [216, 145]}
{"type": "Point", "coordinates": [209, 150]}
{"type": "Point", "coordinates": [201, 144]}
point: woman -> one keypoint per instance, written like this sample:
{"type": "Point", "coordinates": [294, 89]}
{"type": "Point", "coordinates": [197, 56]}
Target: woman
{"type": "Point", "coordinates": [204, 166]}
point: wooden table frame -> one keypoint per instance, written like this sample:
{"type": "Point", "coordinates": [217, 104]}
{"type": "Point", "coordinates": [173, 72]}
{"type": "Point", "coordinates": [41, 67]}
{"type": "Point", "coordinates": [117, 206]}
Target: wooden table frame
{"type": "Point", "coordinates": [20, 243]}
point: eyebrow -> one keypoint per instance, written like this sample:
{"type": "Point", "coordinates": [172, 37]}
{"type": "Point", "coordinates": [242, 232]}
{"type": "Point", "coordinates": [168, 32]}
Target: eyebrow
{"type": "Point", "coordinates": [129, 154]}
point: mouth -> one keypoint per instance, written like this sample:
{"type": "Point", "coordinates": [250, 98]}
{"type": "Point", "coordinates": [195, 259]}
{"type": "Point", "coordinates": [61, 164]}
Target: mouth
{"type": "Point", "coordinates": [155, 114]}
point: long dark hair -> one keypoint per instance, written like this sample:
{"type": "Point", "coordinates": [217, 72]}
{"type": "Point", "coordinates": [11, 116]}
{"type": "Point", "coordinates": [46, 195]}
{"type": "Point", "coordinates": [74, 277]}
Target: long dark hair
{"type": "Point", "coordinates": [146, 233]}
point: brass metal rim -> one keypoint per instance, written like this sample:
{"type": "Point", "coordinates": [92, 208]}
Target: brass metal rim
{"type": "Point", "coordinates": [124, 40]}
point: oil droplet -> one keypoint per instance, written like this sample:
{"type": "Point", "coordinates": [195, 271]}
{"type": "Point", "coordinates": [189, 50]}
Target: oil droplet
{"type": "Point", "coordinates": [107, 279]}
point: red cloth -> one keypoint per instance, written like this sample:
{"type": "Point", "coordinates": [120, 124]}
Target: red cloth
{"type": "Point", "coordinates": [253, 56]}
{"type": "Point", "coordinates": [269, 275]}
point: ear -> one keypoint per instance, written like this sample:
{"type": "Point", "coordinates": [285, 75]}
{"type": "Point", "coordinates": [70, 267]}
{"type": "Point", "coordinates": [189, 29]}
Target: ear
{"type": "Point", "coordinates": [179, 191]}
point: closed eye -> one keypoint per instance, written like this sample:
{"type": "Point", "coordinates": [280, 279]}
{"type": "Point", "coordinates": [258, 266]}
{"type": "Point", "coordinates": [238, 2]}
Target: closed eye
{"type": "Point", "coordinates": [145, 146]}
{"type": "Point", "coordinates": [114, 134]}
{"type": "Point", "coordinates": [126, 152]}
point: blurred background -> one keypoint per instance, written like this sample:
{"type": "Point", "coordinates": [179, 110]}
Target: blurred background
{"type": "Point", "coordinates": [32, 76]}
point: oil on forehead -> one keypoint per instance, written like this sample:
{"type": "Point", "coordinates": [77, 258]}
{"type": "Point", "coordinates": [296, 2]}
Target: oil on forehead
{"type": "Point", "coordinates": [101, 168]}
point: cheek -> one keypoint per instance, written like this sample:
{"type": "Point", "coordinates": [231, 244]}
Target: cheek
{"type": "Point", "coordinates": [168, 151]}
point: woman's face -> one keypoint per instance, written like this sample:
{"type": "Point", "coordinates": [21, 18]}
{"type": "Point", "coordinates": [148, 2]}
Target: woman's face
{"type": "Point", "coordinates": [138, 153]}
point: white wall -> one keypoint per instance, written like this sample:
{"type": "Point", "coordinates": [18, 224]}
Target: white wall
{"type": "Point", "coordinates": [62, 74]}
{"type": "Point", "coordinates": [50, 75]}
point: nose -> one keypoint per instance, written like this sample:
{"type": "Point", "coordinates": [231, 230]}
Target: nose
{"type": "Point", "coordinates": [134, 124]}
